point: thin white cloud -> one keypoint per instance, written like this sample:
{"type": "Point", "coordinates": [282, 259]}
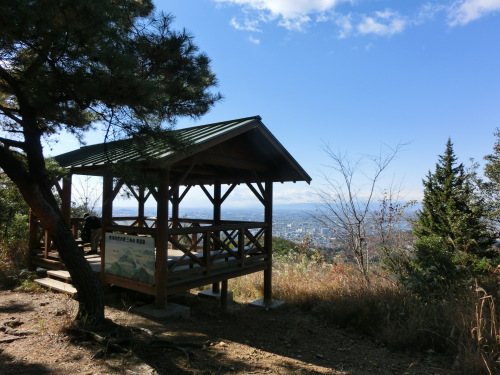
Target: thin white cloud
{"type": "Point", "coordinates": [251, 39]}
{"type": "Point", "coordinates": [295, 195]}
{"type": "Point", "coordinates": [292, 14]}
{"type": "Point", "coordinates": [301, 15]}
{"type": "Point", "coordinates": [287, 8]}
{"type": "Point", "coordinates": [344, 23]}
{"type": "Point", "coordinates": [382, 23]}
{"type": "Point", "coordinates": [247, 25]}
{"type": "Point", "coordinates": [428, 12]}
{"type": "Point", "coordinates": [295, 24]}
{"type": "Point", "coordinates": [464, 11]}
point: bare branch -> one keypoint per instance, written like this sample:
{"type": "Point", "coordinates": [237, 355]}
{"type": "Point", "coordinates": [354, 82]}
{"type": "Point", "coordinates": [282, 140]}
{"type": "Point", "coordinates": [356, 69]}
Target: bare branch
{"type": "Point", "coordinates": [343, 208]}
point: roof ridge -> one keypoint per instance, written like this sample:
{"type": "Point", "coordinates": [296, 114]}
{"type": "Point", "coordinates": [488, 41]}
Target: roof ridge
{"type": "Point", "coordinates": [227, 122]}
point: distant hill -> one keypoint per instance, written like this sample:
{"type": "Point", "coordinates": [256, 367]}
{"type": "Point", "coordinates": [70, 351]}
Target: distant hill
{"type": "Point", "coordinates": [207, 211]}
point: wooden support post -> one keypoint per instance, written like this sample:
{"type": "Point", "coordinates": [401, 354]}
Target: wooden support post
{"type": "Point", "coordinates": [33, 243]}
{"type": "Point", "coordinates": [107, 216]}
{"type": "Point", "coordinates": [46, 244]}
{"type": "Point", "coordinates": [206, 252]}
{"type": "Point", "coordinates": [223, 295]}
{"type": "Point", "coordinates": [162, 241]}
{"type": "Point", "coordinates": [140, 207]}
{"type": "Point", "coordinates": [268, 243]}
{"type": "Point", "coordinates": [175, 212]}
{"type": "Point", "coordinates": [217, 202]}
{"type": "Point", "coordinates": [66, 199]}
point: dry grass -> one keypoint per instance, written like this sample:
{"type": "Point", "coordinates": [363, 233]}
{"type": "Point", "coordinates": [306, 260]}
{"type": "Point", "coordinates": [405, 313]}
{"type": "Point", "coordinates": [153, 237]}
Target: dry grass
{"type": "Point", "coordinates": [467, 328]}
{"type": "Point", "coordinates": [481, 336]}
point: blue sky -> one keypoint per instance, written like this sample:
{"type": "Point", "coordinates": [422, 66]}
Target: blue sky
{"type": "Point", "coordinates": [356, 74]}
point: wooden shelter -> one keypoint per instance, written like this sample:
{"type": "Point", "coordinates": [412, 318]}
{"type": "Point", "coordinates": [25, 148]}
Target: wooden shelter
{"type": "Point", "coordinates": [177, 254]}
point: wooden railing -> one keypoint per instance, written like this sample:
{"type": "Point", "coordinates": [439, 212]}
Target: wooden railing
{"type": "Point", "coordinates": [198, 252]}
{"type": "Point", "coordinates": [194, 245]}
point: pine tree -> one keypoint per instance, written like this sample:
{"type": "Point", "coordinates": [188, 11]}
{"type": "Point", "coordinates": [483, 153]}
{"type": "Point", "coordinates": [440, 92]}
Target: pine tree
{"type": "Point", "coordinates": [76, 65]}
{"type": "Point", "coordinates": [452, 208]}
{"type": "Point", "coordinates": [453, 243]}
{"type": "Point", "coordinates": [491, 188]}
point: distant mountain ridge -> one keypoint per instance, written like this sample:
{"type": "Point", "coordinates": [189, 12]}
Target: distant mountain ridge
{"type": "Point", "coordinates": [304, 207]}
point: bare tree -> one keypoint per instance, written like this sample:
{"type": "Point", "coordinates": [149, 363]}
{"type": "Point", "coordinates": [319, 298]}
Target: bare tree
{"type": "Point", "coordinates": [87, 195]}
{"type": "Point", "coordinates": [347, 198]}
{"type": "Point", "coordinates": [391, 223]}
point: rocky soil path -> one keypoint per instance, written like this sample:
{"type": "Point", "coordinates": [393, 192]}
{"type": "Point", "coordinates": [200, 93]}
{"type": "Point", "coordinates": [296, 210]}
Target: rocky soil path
{"type": "Point", "coordinates": [245, 340]}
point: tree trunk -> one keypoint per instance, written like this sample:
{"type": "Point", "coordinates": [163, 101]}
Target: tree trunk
{"type": "Point", "coordinates": [86, 282]}
{"type": "Point", "coordinates": [34, 185]}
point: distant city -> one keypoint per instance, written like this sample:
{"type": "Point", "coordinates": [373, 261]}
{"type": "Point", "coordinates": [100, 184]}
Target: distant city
{"type": "Point", "coordinates": [291, 222]}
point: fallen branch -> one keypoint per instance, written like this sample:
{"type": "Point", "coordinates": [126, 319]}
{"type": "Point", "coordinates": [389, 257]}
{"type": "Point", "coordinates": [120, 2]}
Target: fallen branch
{"type": "Point", "coordinates": [11, 339]}
{"type": "Point", "coordinates": [16, 332]}
{"type": "Point", "coordinates": [108, 343]}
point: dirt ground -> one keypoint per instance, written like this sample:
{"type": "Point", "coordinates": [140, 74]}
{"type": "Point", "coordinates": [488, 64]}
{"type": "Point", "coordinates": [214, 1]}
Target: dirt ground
{"type": "Point", "coordinates": [243, 340]}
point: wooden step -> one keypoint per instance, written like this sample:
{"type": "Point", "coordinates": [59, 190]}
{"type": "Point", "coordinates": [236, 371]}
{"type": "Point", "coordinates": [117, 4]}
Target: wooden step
{"type": "Point", "coordinates": [45, 263]}
{"type": "Point", "coordinates": [59, 274]}
{"type": "Point", "coordinates": [57, 285]}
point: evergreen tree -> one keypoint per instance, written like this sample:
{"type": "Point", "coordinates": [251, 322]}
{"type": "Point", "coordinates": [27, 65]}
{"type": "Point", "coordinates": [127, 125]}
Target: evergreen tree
{"type": "Point", "coordinates": [452, 208]}
{"type": "Point", "coordinates": [491, 188]}
{"type": "Point", "coordinates": [453, 243]}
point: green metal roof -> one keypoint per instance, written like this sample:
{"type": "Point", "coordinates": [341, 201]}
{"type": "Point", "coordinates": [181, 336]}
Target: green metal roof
{"type": "Point", "coordinates": [125, 150]}
{"type": "Point", "coordinates": [207, 142]}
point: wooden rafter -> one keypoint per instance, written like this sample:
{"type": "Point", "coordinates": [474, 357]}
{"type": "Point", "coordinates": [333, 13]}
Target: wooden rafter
{"type": "Point", "coordinates": [207, 193]}
{"type": "Point", "coordinates": [257, 194]}
{"type": "Point", "coordinates": [229, 191]}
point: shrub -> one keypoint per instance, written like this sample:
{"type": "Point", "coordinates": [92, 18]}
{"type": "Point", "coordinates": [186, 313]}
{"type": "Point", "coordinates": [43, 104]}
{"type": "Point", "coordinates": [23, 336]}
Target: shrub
{"type": "Point", "coordinates": [13, 258]}
{"type": "Point", "coordinates": [465, 327]}
{"type": "Point", "coordinates": [434, 272]}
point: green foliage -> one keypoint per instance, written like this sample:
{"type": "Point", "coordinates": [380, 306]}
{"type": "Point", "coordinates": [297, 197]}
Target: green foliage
{"type": "Point", "coordinates": [282, 246]}
{"type": "Point", "coordinates": [303, 251]}
{"type": "Point", "coordinates": [75, 61]}
{"type": "Point", "coordinates": [491, 188]}
{"type": "Point", "coordinates": [434, 273]}
{"type": "Point", "coordinates": [13, 212]}
{"type": "Point", "coordinates": [452, 208]}
{"type": "Point", "coordinates": [454, 244]}
{"type": "Point", "coordinates": [13, 259]}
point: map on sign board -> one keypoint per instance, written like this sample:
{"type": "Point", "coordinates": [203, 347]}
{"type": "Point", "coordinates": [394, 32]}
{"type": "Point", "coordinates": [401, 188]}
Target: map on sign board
{"type": "Point", "coordinates": [131, 257]}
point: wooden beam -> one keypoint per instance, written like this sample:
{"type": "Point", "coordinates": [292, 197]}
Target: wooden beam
{"type": "Point", "coordinates": [207, 193]}
{"type": "Point", "coordinates": [132, 190]}
{"type": "Point", "coordinates": [162, 241]}
{"type": "Point", "coordinates": [268, 243]}
{"type": "Point", "coordinates": [186, 190]}
{"type": "Point", "coordinates": [107, 216]}
{"type": "Point", "coordinates": [33, 236]}
{"type": "Point", "coordinates": [153, 191]}
{"type": "Point", "coordinates": [141, 200]}
{"type": "Point", "coordinates": [257, 194]}
{"type": "Point", "coordinates": [182, 177]}
{"type": "Point", "coordinates": [229, 191]}
{"type": "Point", "coordinates": [117, 188]}
{"type": "Point", "coordinates": [217, 203]}
{"type": "Point", "coordinates": [230, 162]}
{"type": "Point", "coordinates": [66, 199]}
